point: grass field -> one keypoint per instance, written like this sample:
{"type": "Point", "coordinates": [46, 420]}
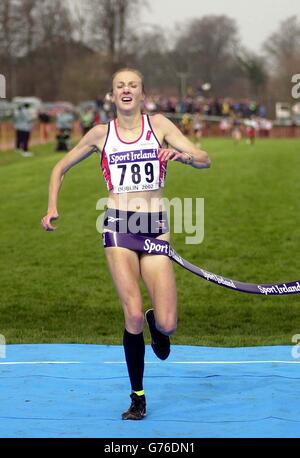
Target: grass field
{"type": "Point", "coordinates": [55, 287]}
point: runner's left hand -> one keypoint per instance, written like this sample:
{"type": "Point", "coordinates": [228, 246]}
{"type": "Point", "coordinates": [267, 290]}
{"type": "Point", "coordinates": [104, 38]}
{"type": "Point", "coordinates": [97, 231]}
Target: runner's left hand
{"type": "Point", "coordinates": [165, 154]}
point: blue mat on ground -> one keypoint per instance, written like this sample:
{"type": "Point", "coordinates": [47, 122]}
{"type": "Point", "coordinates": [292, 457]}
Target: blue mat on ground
{"type": "Point", "coordinates": [59, 391]}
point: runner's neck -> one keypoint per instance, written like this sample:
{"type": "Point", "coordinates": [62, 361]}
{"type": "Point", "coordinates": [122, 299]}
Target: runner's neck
{"type": "Point", "coordinates": [129, 122]}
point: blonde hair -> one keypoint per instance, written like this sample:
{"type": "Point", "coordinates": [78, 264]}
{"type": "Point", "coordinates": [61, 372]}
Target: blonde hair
{"type": "Point", "coordinates": [128, 69]}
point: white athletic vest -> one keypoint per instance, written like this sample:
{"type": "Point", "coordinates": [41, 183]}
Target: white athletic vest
{"type": "Point", "coordinates": [132, 166]}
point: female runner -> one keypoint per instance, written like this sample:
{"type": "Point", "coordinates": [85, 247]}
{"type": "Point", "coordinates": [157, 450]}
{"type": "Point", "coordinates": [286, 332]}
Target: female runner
{"type": "Point", "coordinates": [134, 168]}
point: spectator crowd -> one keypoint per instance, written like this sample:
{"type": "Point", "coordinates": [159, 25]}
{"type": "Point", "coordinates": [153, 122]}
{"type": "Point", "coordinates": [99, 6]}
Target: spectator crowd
{"type": "Point", "coordinates": [238, 118]}
{"type": "Point", "coordinates": [208, 106]}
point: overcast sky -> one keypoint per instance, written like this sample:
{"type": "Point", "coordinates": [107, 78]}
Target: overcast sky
{"type": "Point", "coordinates": [256, 19]}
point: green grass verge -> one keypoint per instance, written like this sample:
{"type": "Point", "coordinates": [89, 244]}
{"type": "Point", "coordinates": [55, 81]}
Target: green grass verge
{"type": "Point", "coordinates": [55, 287]}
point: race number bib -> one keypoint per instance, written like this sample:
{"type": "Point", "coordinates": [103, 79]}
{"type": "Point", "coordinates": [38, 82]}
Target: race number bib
{"type": "Point", "coordinates": [133, 171]}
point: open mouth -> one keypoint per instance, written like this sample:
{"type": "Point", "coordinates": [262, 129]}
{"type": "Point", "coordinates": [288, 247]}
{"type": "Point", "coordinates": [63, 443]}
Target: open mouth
{"type": "Point", "coordinates": [126, 99]}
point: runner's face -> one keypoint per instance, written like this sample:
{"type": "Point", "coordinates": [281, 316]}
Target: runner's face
{"type": "Point", "coordinates": [127, 91]}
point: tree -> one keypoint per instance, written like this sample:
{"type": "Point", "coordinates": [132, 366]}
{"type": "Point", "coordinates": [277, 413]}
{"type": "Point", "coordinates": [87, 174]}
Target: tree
{"type": "Point", "coordinates": [111, 27]}
{"type": "Point", "coordinates": [152, 56]}
{"type": "Point", "coordinates": [283, 46]}
{"type": "Point", "coordinates": [282, 49]}
{"type": "Point", "coordinates": [9, 42]}
{"type": "Point", "coordinates": [253, 68]}
{"type": "Point", "coordinates": [207, 48]}
{"type": "Point", "coordinates": [50, 42]}
{"type": "Point", "coordinates": [34, 39]}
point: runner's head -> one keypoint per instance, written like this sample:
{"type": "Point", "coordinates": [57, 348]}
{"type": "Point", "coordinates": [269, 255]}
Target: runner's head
{"type": "Point", "coordinates": [128, 89]}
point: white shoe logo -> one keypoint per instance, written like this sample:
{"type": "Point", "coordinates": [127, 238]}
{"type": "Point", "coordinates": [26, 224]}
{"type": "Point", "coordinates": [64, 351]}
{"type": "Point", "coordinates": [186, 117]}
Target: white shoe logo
{"type": "Point", "coordinates": [161, 223]}
{"type": "Point", "coordinates": [111, 219]}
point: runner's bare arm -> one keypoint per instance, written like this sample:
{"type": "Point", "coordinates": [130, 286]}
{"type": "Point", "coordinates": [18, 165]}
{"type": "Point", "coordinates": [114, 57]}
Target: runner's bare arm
{"type": "Point", "coordinates": [87, 145]}
{"type": "Point", "coordinates": [190, 154]}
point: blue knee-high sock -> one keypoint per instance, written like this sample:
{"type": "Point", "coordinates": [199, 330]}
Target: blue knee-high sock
{"type": "Point", "coordinates": [134, 348]}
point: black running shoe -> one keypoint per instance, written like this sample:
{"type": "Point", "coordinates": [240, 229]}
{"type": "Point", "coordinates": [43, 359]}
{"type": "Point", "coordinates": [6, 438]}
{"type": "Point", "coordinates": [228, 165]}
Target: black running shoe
{"type": "Point", "coordinates": [160, 343]}
{"type": "Point", "coordinates": [137, 410]}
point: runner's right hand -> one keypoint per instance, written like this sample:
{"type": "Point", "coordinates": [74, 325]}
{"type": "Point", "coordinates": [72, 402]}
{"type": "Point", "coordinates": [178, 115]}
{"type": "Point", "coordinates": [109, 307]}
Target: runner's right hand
{"type": "Point", "coordinates": [46, 221]}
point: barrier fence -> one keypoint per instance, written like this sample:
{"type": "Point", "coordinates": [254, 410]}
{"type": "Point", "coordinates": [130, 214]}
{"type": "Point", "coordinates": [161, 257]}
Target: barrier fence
{"type": "Point", "coordinates": [43, 133]}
